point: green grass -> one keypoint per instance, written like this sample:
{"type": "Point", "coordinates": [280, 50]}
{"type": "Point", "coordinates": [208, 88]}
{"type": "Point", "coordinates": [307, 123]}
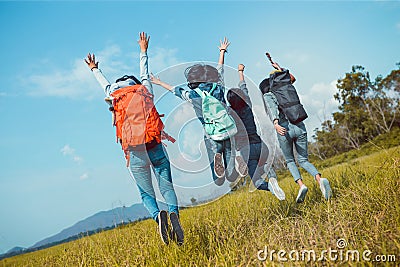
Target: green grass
{"type": "Point", "coordinates": [365, 211]}
{"type": "Point", "coordinates": [381, 142]}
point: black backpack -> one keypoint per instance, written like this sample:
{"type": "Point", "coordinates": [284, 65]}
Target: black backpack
{"type": "Point", "coordinates": [289, 103]}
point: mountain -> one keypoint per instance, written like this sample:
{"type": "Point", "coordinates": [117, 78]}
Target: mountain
{"type": "Point", "coordinates": [100, 220]}
{"type": "Point", "coordinates": [16, 250]}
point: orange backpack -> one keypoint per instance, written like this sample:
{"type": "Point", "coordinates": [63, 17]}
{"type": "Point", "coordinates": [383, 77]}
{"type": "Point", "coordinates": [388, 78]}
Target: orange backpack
{"type": "Point", "coordinates": [136, 119]}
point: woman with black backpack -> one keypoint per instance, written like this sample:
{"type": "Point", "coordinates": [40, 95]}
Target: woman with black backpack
{"type": "Point", "coordinates": [287, 115]}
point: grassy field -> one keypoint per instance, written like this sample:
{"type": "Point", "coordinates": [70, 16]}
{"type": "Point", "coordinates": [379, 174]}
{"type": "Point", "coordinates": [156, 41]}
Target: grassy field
{"type": "Point", "coordinates": [243, 228]}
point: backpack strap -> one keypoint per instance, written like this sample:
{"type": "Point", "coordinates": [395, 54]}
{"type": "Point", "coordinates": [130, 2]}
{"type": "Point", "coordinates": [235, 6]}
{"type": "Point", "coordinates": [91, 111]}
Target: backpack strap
{"type": "Point", "coordinates": [199, 92]}
{"type": "Point", "coordinates": [213, 88]}
{"type": "Point", "coordinates": [204, 93]}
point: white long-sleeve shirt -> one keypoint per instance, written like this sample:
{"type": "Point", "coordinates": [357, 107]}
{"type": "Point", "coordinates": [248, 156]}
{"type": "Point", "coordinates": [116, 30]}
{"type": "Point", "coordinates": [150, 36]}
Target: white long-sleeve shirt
{"type": "Point", "coordinates": [109, 88]}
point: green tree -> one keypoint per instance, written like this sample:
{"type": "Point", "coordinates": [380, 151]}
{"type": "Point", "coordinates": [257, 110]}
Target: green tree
{"type": "Point", "coordinates": [366, 109]}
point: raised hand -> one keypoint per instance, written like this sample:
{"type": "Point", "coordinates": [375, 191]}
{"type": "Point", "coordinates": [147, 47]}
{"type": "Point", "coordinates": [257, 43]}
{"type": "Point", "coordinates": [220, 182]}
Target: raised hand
{"type": "Point", "coordinates": [224, 45]}
{"type": "Point", "coordinates": [143, 41]}
{"type": "Point", "coordinates": [91, 61]}
{"type": "Point", "coordinates": [154, 79]}
{"type": "Point", "coordinates": [240, 67]}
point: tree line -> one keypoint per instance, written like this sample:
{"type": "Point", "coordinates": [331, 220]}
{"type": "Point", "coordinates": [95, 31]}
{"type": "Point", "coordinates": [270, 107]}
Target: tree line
{"type": "Point", "coordinates": [367, 108]}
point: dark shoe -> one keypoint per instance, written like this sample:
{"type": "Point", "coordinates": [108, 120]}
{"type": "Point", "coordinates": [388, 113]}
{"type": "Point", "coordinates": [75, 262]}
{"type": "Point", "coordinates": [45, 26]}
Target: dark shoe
{"type": "Point", "coordinates": [163, 226]}
{"type": "Point", "coordinates": [219, 168]}
{"type": "Point", "coordinates": [176, 229]}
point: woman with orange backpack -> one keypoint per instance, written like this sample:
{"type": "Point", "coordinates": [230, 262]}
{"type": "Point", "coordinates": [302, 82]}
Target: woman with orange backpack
{"type": "Point", "coordinates": [139, 130]}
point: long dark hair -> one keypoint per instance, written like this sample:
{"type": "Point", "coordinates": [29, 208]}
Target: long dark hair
{"type": "Point", "coordinates": [236, 98]}
{"type": "Point", "coordinates": [201, 73]}
{"type": "Point", "coordinates": [126, 77]}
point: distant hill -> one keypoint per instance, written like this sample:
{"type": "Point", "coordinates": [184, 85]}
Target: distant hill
{"type": "Point", "coordinates": [16, 250]}
{"type": "Point", "coordinates": [100, 220]}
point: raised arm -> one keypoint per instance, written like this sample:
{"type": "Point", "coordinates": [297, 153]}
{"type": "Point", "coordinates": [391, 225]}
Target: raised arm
{"type": "Point", "coordinates": [242, 83]}
{"type": "Point", "coordinates": [277, 67]}
{"type": "Point", "coordinates": [94, 67]}
{"type": "Point", "coordinates": [156, 80]}
{"type": "Point", "coordinates": [223, 48]}
{"type": "Point", "coordinates": [144, 69]}
{"type": "Point", "coordinates": [240, 71]}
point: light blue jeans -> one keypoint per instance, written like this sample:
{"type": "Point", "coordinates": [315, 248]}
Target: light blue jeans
{"type": "Point", "coordinates": [225, 148]}
{"type": "Point", "coordinates": [296, 136]}
{"type": "Point", "coordinates": [257, 155]}
{"type": "Point", "coordinates": [141, 162]}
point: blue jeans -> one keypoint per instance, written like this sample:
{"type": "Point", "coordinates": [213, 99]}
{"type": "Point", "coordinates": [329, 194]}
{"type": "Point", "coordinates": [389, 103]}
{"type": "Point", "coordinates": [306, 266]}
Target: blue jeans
{"type": "Point", "coordinates": [141, 161]}
{"type": "Point", "coordinates": [225, 148]}
{"type": "Point", "coordinates": [296, 136]}
{"type": "Point", "coordinates": [257, 155]}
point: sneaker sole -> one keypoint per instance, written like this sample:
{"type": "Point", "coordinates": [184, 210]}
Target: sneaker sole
{"type": "Point", "coordinates": [163, 226]}
{"type": "Point", "coordinates": [276, 190]}
{"type": "Point", "coordinates": [326, 189]}
{"type": "Point", "coordinates": [219, 181]}
{"type": "Point", "coordinates": [176, 230]}
{"type": "Point", "coordinates": [219, 169]}
{"type": "Point", "coordinates": [300, 198]}
{"type": "Point", "coordinates": [241, 166]}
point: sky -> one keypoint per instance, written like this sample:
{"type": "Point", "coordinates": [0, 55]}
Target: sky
{"type": "Point", "coordinates": [59, 160]}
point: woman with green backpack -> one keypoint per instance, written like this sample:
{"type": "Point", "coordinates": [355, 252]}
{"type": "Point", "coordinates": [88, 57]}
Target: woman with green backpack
{"type": "Point", "coordinates": [206, 93]}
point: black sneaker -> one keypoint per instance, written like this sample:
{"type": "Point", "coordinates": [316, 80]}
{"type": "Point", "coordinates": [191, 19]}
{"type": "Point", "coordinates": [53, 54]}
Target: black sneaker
{"type": "Point", "coordinates": [219, 168]}
{"type": "Point", "coordinates": [176, 229]}
{"type": "Point", "coordinates": [163, 226]}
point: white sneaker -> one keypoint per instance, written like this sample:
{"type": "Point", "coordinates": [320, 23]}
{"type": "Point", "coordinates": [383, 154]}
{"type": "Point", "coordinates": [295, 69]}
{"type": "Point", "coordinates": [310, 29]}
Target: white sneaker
{"type": "Point", "coordinates": [273, 186]}
{"type": "Point", "coordinates": [325, 188]}
{"type": "Point", "coordinates": [302, 194]}
{"type": "Point", "coordinates": [241, 166]}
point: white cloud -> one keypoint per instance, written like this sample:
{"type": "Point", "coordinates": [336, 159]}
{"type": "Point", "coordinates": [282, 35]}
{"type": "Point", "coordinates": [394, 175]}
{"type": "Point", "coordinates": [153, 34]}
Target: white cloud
{"type": "Point", "coordinates": [319, 103]}
{"type": "Point", "coordinates": [76, 80]}
{"type": "Point", "coordinates": [398, 26]}
{"type": "Point", "coordinates": [84, 176]}
{"type": "Point", "coordinates": [162, 58]}
{"type": "Point", "coordinates": [70, 152]}
{"type": "Point", "coordinates": [182, 114]}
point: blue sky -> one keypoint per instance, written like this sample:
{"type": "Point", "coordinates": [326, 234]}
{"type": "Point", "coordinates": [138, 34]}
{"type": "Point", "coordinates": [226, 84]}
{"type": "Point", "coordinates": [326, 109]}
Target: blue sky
{"type": "Point", "coordinates": [58, 155]}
